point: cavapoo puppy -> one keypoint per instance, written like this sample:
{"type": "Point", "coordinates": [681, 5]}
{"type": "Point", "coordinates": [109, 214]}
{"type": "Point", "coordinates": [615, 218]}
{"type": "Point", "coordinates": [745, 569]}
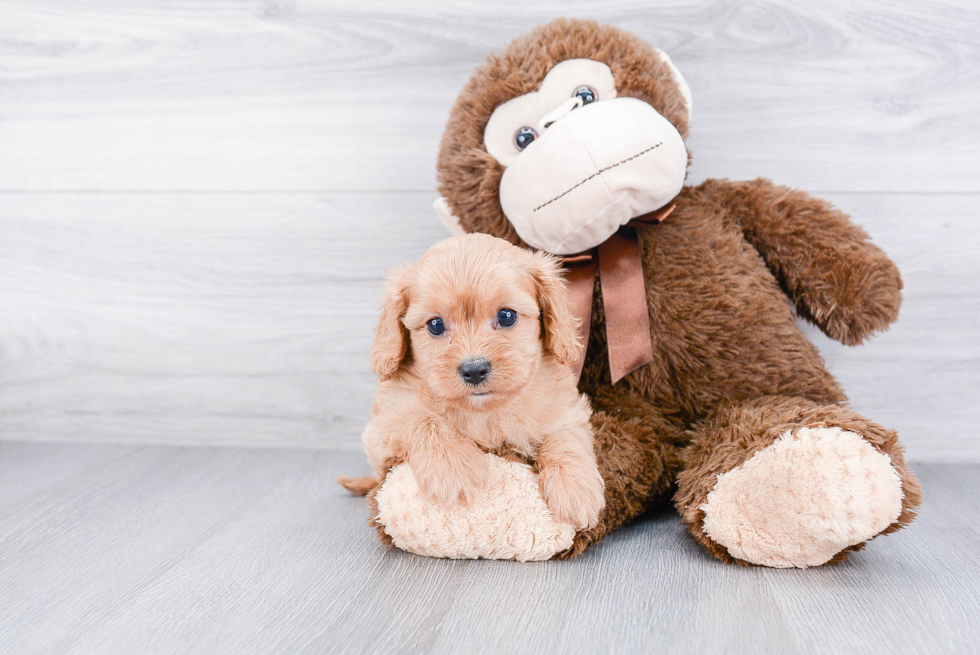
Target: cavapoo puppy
{"type": "Point", "coordinates": [472, 351]}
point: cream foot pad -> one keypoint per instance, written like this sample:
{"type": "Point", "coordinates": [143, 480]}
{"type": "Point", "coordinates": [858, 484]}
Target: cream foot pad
{"type": "Point", "coordinates": [803, 499]}
{"type": "Point", "coordinates": [509, 521]}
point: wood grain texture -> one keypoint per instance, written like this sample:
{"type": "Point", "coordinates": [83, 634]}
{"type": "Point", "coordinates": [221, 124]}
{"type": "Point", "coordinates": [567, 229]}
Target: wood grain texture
{"type": "Point", "coordinates": [234, 318]}
{"type": "Point", "coordinates": [108, 548]}
{"type": "Point", "coordinates": [247, 318]}
{"type": "Point", "coordinates": [186, 315]}
{"type": "Point", "coordinates": [198, 201]}
{"type": "Point", "coordinates": [320, 95]}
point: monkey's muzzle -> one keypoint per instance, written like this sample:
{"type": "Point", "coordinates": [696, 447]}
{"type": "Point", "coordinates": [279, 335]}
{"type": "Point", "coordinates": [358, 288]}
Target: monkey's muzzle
{"type": "Point", "coordinates": [590, 173]}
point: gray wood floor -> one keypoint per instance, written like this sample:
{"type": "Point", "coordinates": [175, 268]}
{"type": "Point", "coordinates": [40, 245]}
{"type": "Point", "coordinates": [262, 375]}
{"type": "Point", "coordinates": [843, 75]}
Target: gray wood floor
{"type": "Point", "coordinates": [140, 549]}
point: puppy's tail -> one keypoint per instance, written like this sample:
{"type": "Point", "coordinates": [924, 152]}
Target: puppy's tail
{"type": "Point", "coordinates": [361, 486]}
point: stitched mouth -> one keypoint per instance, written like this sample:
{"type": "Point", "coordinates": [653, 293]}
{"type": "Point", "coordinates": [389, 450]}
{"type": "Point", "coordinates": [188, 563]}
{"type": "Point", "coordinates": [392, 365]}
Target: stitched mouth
{"type": "Point", "coordinates": [481, 394]}
{"type": "Point", "coordinates": [597, 174]}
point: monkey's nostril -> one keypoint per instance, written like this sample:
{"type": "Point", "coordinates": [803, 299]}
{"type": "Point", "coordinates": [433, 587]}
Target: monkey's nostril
{"type": "Point", "coordinates": [474, 371]}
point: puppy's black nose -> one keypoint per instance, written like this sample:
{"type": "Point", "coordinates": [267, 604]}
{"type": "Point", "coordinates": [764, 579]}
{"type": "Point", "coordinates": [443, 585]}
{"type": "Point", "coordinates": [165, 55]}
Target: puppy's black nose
{"type": "Point", "coordinates": [474, 371]}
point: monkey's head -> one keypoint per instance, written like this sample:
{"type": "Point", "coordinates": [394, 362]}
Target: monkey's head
{"type": "Point", "coordinates": [561, 139]}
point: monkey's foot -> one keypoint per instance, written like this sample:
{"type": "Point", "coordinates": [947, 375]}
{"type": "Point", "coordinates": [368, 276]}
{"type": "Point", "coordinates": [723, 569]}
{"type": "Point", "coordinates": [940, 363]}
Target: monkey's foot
{"type": "Point", "coordinates": [803, 499]}
{"type": "Point", "coordinates": [509, 520]}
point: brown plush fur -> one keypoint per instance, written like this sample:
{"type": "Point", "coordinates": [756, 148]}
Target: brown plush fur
{"type": "Point", "coordinates": [731, 369]}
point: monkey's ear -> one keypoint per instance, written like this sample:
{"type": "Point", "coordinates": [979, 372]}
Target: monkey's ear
{"type": "Point", "coordinates": [449, 219]}
{"type": "Point", "coordinates": [391, 336]}
{"type": "Point", "coordinates": [685, 89]}
{"type": "Point", "coordinates": [559, 324]}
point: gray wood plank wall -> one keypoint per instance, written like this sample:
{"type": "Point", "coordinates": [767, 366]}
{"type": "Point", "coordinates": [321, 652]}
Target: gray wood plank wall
{"type": "Point", "coordinates": [198, 201]}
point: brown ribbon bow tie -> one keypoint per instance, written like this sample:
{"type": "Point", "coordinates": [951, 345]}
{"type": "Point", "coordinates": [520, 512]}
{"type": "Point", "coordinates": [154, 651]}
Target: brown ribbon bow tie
{"type": "Point", "coordinates": [623, 295]}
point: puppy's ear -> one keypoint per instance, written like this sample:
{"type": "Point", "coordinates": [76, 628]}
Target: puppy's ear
{"type": "Point", "coordinates": [391, 336]}
{"type": "Point", "coordinates": [559, 323]}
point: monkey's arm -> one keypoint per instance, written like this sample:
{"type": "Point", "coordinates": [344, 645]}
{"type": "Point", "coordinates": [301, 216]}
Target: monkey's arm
{"type": "Point", "coordinates": [837, 278]}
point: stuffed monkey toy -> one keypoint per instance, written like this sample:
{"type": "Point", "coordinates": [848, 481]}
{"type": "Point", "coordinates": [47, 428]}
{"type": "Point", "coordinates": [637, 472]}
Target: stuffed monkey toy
{"type": "Point", "coordinates": [704, 390]}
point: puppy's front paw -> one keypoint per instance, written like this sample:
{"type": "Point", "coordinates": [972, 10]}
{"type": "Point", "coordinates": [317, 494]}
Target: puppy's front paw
{"type": "Point", "coordinates": [574, 494]}
{"type": "Point", "coordinates": [455, 475]}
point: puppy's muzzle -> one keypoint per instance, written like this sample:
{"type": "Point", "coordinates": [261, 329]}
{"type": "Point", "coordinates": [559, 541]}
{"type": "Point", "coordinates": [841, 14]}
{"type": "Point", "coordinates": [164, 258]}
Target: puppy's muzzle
{"type": "Point", "coordinates": [474, 371]}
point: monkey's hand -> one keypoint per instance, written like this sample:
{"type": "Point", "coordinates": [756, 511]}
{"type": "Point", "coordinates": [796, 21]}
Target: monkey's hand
{"type": "Point", "coordinates": [837, 278]}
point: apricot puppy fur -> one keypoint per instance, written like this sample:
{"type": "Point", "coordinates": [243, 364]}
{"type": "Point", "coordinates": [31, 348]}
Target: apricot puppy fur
{"type": "Point", "coordinates": [472, 351]}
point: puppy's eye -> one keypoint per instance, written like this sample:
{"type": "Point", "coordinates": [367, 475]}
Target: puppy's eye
{"type": "Point", "coordinates": [435, 326]}
{"type": "Point", "coordinates": [524, 137]}
{"type": "Point", "coordinates": [506, 317]}
{"type": "Point", "coordinates": [587, 94]}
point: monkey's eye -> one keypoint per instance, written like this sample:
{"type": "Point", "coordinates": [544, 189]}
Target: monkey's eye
{"type": "Point", "coordinates": [506, 317]}
{"type": "Point", "coordinates": [524, 137]}
{"type": "Point", "coordinates": [587, 94]}
{"type": "Point", "coordinates": [435, 326]}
